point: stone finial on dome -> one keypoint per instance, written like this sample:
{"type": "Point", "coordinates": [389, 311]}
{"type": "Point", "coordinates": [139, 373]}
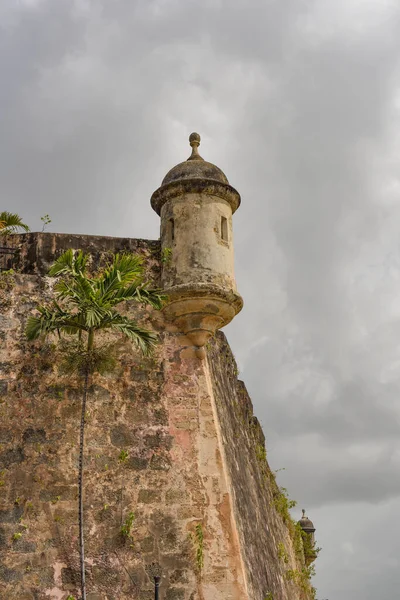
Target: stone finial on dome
{"type": "Point", "coordinates": [195, 168]}
{"type": "Point", "coordinates": [194, 141]}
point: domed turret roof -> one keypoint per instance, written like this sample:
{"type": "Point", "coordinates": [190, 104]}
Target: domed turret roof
{"type": "Point", "coordinates": [195, 167]}
{"type": "Point", "coordinates": [306, 524]}
{"type": "Point", "coordinates": [195, 176]}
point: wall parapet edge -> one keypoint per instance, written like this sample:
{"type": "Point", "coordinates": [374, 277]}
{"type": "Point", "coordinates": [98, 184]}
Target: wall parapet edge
{"type": "Point", "coordinates": [36, 251]}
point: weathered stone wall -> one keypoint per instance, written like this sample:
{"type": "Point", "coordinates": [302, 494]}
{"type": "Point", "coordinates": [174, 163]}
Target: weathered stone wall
{"type": "Point", "coordinates": [169, 438]}
{"type": "Point", "coordinates": [271, 546]}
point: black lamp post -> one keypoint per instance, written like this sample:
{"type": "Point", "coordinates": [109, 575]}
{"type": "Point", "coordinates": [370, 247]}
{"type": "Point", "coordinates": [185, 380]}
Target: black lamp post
{"type": "Point", "coordinates": [156, 586]}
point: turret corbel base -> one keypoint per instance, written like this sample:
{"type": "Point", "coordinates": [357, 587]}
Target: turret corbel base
{"type": "Point", "coordinates": [200, 312]}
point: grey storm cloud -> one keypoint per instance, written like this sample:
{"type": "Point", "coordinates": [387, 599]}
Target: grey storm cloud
{"type": "Point", "coordinates": [298, 102]}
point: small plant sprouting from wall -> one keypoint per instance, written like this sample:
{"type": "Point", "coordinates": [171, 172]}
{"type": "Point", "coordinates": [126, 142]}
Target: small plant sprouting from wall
{"type": "Point", "coordinates": [166, 256]}
{"type": "Point", "coordinates": [126, 529]}
{"type": "Point", "coordinates": [261, 454]}
{"type": "Point", "coordinates": [17, 535]}
{"type": "Point", "coordinates": [310, 550]}
{"type": "Point", "coordinates": [46, 221]}
{"type": "Point", "coordinates": [302, 579]}
{"type": "Point", "coordinates": [305, 550]}
{"type": "Point", "coordinates": [58, 519]}
{"type": "Point", "coordinates": [304, 547]}
{"type": "Point", "coordinates": [282, 553]}
{"type": "Point", "coordinates": [269, 596]}
{"type": "Point", "coordinates": [123, 455]}
{"type": "Point", "coordinates": [199, 542]}
{"type": "Point", "coordinates": [200, 546]}
{"type": "Point", "coordinates": [297, 539]}
{"type": "Point", "coordinates": [283, 504]}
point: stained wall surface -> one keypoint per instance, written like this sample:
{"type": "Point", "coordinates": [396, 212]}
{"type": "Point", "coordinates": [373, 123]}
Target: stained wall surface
{"type": "Point", "coordinates": [198, 248]}
{"type": "Point", "coordinates": [170, 438]}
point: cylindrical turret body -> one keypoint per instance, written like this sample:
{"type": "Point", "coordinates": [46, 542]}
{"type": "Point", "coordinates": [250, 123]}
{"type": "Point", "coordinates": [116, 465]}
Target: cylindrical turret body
{"type": "Point", "coordinates": [198, 230]}
{"type": "Point", "coordinates": [196, 203]}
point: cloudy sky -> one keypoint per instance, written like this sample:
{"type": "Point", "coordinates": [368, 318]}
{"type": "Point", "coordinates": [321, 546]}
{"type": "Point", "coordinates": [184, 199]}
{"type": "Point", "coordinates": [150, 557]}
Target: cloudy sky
{"type": "Point", "coordinates": [298, 101]}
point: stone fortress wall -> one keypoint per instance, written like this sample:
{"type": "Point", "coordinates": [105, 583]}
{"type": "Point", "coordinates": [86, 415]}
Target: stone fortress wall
{"type": "Point", "coordinates": [171, 438]}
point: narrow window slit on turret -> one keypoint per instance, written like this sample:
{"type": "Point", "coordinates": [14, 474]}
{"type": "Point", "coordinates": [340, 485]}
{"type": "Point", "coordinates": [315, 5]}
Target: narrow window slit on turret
{"type": "Point", "coordinates": [224, 229]}
{"type": "Point", "coordinates": [171, 230]}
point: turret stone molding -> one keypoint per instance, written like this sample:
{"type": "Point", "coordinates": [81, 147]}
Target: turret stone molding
{"type": "Point", "coordinates": [196, 204]}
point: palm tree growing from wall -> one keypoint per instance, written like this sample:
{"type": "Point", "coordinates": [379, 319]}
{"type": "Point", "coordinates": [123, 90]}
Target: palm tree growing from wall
{"type": "Point", "coordinates": [11, 223]}
{"type": "Point", "coordinates": [84, 306]}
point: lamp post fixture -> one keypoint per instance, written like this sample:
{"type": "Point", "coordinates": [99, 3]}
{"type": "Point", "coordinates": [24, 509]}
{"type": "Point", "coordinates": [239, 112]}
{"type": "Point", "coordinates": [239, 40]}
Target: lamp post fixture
{"type": "Point", "coordinates": [154, 571]}
{"type": "Point", "coordinates": [156, 586]}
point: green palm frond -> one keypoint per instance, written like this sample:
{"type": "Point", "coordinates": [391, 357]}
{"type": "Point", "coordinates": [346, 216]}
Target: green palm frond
{"type": "Point", "coordinates": [139, 293]}
{"type": "Point", "coordinates": [154, 298]}
{"type": "Point", "coordinates": [123, 270]}
{"type": "Point", "coordinates": [94, 317]}
{"type": "Point", "coordinates": [80, 262]}
{"type": "Point", "coordinates": [70, 264]}
{"type": "Point", "coordinates": [126, 266]}
{"type": "Point", "coordinates": [84, 287]}
{"type": "Point", "coordinates": [143, 338]}
{"type": "Point", "coordinates": [11, 223]}
{"type": "Point", "coordinates": [121, 281]}
{"type": "Point", "coordinates": [86, 303]}
{"type": "Point", "coordinates": [52, 319]}
{"type": "Point", "coordinates": [63, 264]}
{"type": "Point", "coordinates": [67, 290]}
